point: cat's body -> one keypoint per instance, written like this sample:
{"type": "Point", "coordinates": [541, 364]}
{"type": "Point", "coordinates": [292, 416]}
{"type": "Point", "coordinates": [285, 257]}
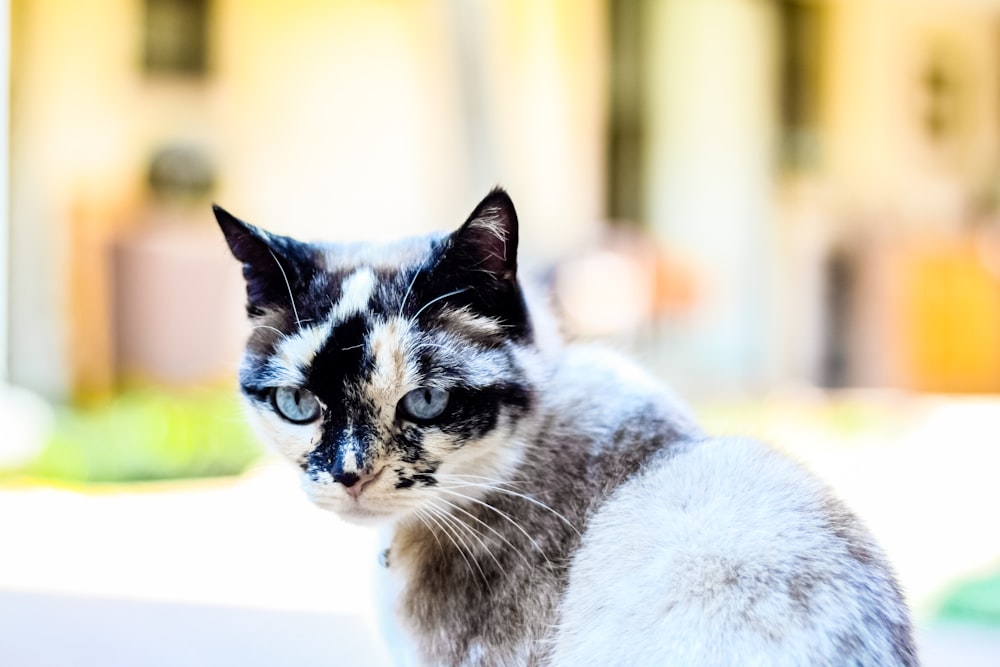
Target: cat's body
{"type": "Point", "coordinates": [546, 505]}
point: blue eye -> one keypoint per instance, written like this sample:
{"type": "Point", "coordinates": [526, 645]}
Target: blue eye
{"type": "Point", "coordinates": [424, 404]}
{"type": "Point", "coordinates": [295, 404]}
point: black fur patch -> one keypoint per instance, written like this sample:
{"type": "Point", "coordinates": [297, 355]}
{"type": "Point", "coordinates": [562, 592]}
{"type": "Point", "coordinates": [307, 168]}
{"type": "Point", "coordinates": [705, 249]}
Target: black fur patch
{"type": "Point", "coordinates": [341, 359]}
{"type": "Point", "coordinates": [277, 269]}
{"type": "Point", "coordinates": [474, 412]}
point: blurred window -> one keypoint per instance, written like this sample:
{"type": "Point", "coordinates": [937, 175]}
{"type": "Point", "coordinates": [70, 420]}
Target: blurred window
{"type": "Point", "coordinates": [176, 36]}
{"type": "Point", "coordinates": [626, 127]}
{"type": "Point", "coordinates": [800, 24]}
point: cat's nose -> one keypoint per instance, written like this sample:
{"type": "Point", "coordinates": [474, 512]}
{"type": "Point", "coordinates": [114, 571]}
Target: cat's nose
{"type": "Point", "coordinates": [348, 479]}
{"type": "Point", "coordinates": [354, 482]}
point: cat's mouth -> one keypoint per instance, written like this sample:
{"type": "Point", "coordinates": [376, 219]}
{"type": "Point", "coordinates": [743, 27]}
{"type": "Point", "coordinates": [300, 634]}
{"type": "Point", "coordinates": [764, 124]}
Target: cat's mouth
{"type": "Point", "coordinates": [360, 501]}
{"type": "Point", "coordinates": [349, 508]}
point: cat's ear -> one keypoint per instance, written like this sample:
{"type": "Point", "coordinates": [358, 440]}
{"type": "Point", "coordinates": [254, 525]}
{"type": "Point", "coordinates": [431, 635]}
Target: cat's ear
{"type": "Point", "coordinates": [478, 267]}
{"type": "Point", "coordinates": [271, 264]}
{"type": "Point", "coordinates": [247, 243]}
{"type": "Point", "coordinates": [487, 242]}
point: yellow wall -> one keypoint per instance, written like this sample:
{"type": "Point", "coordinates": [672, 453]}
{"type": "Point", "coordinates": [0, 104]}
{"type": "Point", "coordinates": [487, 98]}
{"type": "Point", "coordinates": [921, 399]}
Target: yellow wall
{"type": "Point", "coordinates": [326, 118]}
{"type": "Point", "coordinates": [879, 159]}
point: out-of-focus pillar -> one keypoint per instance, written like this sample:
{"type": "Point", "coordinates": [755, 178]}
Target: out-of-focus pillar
{"type": "Point", "coordinates": [711, 79]}
{"type": "Point", "coordinates": [4, 157]}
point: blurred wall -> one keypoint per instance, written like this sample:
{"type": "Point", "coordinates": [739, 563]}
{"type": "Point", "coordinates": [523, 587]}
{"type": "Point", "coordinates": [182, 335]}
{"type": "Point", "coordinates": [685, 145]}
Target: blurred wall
{"type": "Point", "coordinates": [911, 118]}
{"type": "Point", "coordinates": [350, 118]}
{"type": "Point", "coordinates": [820, 164]}
{"type": "Point", "coordinates": [324, 118]}
{"type": "Point", "coordinates": [908, 146]}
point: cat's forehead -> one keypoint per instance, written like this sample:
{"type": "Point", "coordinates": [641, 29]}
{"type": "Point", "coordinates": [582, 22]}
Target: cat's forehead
{"type": "Point", "coordinates": [338, 347]}
{"type": "Point", "coordinates": [384, 312]}
{"type": "Point", "coordinates": [387, 257]}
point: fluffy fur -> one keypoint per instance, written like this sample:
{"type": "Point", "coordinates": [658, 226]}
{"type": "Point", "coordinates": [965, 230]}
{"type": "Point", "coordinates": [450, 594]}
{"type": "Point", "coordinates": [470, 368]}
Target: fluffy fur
{"type": "Point", "coordinates": [561, 508]}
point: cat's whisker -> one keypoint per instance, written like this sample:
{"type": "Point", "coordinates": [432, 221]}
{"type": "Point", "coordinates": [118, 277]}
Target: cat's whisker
{"type": "Point", "coordinates": [406, 296]}
{"type": "Point", "coordinates": [436, 299]}
{"type": "Point", "coordinates": [500, 482]}
{"type": "Point", "coordinates": [538, 503]}
{"type": "Point", "coordinates": [452, 534]}
{"type": "Point", "coordinates": [455, 507]}
{"type": "Point", "coordinates": [488, 256]}
{"type": "Point", "coordinates": [428, 518]}
{"type": "Point", "coordinates": [448, 533]}
{"type": "Point", "coordinates": [523, 496]}
{"type": "Point", "coordinates": [501, 513]}
{"type": "Point", "coordinates": [419, 513]}
{"type": "Point", "coordinates": [280, 333]}
{"type": "Point", "coordinates": [456, 521]}
{"type": "Point", "coordinates": [288, 285]}
{"type": "Point", "coordinates": [422, 346]}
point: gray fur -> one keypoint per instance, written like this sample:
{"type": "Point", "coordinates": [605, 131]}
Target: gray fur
{"type": "Point", "coordinates": [565, 509]}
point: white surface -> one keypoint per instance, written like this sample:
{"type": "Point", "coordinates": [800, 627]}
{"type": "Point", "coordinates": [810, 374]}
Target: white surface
{"type": "Point", "coordinates": [25, 422]}
{"type": "Point", "coordinates": [247, 572]}
{"type": "Point", "coordinates": [252, 542]}
{"type": "Point", "coordinates": [220, 572]}
{"type": "Point", "coordinates": [64, 631]}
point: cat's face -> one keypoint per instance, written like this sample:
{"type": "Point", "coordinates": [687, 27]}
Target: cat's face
{"type": "Point", "coordinates": [392, 375]}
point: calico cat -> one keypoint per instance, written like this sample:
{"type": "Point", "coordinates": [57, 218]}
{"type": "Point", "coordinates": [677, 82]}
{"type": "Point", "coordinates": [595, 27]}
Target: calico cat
{"type": "Point", "coordinates": [545, 504]}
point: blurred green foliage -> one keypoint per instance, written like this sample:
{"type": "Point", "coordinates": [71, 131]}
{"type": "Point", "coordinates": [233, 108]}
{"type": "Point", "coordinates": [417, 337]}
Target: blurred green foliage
{"type": "Point", "coordinates": [847, 420]}
{"type": "Point", "coordinates": [146, 435]}
{"type": "Point", "coordinates": [975, 600]}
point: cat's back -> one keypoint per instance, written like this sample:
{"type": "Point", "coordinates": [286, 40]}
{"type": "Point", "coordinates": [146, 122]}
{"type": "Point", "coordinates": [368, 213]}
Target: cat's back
{"type": "Point", "coordinates": [712, 550]}
{"type": "Point", "coordinates": [594, 391]}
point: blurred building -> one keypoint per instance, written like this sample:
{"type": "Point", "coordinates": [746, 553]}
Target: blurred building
{"type": "Point", "coordinates": [326, 118]}
{"type": "Point", "coordinates": [790, 190]}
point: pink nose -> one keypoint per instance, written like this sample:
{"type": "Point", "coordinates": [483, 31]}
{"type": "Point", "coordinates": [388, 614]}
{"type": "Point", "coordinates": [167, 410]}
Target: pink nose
{"type": "Point", "coordinates": [355, 483]}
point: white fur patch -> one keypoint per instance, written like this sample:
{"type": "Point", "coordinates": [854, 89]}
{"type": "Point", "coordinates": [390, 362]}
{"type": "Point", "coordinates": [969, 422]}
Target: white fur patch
{"type": "Point", "coordinates": [490, 221]}
{"type": "Point", "coordinates": [350, 454]}
{"type": "Point", "coordinates": [394, 374]}
{"type": "Point", "coordinates": [465, 322]}
{"type": "Point", "coordinates": [355, 293]}
{"type": "Point", "coordinates": [294, 441]}
{"type": "Point", "coordinates": [393, 255]}
{"type": "Point", "coordinates": [296, 352]}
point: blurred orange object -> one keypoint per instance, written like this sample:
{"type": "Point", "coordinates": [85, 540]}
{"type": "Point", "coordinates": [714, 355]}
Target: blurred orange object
{"type": "Point", "coordinates": [950, 318]}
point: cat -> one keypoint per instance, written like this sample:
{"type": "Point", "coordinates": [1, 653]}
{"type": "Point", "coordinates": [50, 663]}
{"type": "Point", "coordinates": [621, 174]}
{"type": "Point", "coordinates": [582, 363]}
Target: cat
{"type": "Point", "coordinates": [544, 503]}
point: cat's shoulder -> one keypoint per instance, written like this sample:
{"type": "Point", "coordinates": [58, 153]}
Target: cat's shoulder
{"type": "Point", "coordinates": [605, 388]}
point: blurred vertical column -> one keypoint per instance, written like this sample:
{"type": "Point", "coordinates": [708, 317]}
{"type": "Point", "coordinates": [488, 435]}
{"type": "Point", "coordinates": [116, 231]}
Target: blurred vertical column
{"type": "Point", "coordinates": [531, 84]}
{"type": "Point", "coordinates": [4, 160]}
{"type": "Point", "coordinates": [709, 169]}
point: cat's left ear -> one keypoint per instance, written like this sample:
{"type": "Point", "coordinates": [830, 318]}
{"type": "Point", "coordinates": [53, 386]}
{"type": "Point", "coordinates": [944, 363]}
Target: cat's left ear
{"type": "Point", "coordinates": [488, 240]}
{"type": "Point", "coordinates": [478, 268]}
{"type": "Point", "coordinates": [273, 266]}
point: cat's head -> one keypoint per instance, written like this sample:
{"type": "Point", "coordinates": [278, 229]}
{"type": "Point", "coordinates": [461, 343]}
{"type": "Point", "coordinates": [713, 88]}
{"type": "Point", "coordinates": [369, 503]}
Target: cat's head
{"type": "Point", "coordinates": [389, 372]}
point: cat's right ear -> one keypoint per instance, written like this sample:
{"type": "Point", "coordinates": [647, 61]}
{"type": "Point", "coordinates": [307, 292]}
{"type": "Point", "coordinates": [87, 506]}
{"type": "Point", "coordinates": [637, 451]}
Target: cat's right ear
{"type": "Point", "coordinates": [269, 265]}
{"type": "Point", "coordinates": [247, 243]}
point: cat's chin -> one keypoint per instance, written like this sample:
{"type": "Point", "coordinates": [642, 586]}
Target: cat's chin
{"type": "Point", "coordinates": [364, 517]}
{"type": "Point", "coordinates": [355, 513]}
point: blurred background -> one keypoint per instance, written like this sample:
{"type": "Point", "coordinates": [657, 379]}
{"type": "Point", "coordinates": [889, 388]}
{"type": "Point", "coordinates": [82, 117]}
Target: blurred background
{"type": "Point", "coordinates": [789, 209]}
